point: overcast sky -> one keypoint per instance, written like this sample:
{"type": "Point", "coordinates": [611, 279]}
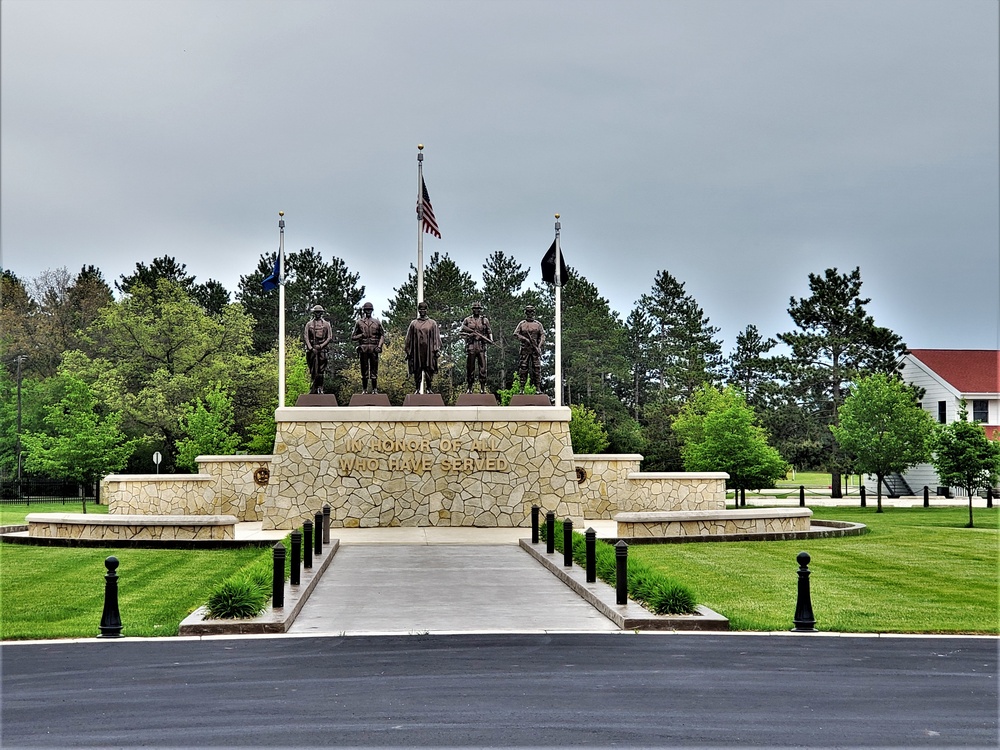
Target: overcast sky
{"type": "Point", "coordinates": [738, 144]}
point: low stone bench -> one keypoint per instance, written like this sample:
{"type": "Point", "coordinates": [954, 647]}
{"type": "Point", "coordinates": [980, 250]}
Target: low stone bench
{"type": "Point", "coordinates": [712, 522]}
{"type": "Point", "coordinates": [121, 527]}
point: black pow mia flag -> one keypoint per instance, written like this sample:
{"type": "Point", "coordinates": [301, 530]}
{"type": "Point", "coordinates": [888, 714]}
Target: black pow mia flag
{"type": "Point", "coordinates": [549, 266]}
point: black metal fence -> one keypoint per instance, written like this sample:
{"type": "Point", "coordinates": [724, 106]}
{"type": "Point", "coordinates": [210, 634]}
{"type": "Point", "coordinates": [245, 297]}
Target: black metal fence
{"type": "Point", "coordinates": [29, 490]}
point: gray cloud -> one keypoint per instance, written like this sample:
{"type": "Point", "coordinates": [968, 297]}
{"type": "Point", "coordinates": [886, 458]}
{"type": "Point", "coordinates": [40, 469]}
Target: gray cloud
{"type": "Point", "coordinates": [740, 145]}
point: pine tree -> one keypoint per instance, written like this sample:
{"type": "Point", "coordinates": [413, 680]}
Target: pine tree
{"type": "Point", "coordinates": [503, 301]}
{"type": "Point", "coordinates": [836, 343]}
{"type": "Point", "coordinates": [684, 351]}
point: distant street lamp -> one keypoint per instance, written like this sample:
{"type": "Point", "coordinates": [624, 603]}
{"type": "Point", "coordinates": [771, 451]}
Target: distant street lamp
{"type": "Point", "coordinates": [19, 359]}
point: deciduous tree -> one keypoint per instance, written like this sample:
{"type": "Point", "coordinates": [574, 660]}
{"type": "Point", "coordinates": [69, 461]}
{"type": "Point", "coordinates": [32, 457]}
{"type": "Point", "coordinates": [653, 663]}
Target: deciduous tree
{"type": "Point", "coordinates": [206, 428]}
{"type": "Point", "coordinates": [79, 442]}
{"type": "Point", "coordinates": [882, 428]}
{"type": "Point", "coordinates": [720, 433]}
{"type": "Point", "coordinates": [964, 457]}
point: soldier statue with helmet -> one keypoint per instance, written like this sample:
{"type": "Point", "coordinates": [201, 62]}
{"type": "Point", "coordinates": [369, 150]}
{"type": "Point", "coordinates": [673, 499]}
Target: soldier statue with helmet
{"type": "Point", "coordinates": [318, 334]}
{"type": "Point", "coordinates": [369, 336]}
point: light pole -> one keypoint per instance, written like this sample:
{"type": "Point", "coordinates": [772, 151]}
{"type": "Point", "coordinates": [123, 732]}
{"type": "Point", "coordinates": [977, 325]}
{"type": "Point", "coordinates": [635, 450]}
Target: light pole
{"type": "Point", "coordinates": [19, 359]}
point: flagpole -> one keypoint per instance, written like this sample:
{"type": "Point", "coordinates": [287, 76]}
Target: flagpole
{"type": "Point", "coordinates": [281, 309]}
{"type": "Point", "coordinates": [420, 223]}
{"type": "Point", "coordinates": [559, 283]}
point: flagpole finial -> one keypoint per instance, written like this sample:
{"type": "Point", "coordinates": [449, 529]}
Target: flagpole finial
{"type": "Point", "coordinates": [420, 146]}
{"type": "Point", "coordinates": [557, 216]}
{"type": "Point", "coordinates": [281, 213]}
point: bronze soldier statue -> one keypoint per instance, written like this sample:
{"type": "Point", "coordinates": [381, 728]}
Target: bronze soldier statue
{"type": "Point", "coordinates": [531, 334]}
{"type": "Point", "coordinates": [369, 336]}
{"type": "Point", "coordinates": [423, 347]}
{"type": "Point", "coordinates": [477, 334]}
{"type": "Point", "coordinates": [318, 334]}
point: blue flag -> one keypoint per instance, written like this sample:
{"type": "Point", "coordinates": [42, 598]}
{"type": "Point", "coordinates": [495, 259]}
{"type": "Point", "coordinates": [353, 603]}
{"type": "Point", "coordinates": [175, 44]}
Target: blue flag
{"type": "Point", "coordinates": [272, 281]}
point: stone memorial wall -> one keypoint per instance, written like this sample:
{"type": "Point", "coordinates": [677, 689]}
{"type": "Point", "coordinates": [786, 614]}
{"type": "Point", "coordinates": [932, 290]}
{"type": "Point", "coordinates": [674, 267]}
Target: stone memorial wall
{"type": "Point", "coordinates": [422, 466]}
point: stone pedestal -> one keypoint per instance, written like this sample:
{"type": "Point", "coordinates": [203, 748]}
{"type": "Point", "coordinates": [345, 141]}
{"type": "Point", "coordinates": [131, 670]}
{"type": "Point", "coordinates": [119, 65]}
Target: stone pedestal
{"type": "Point", "coordinates": [370, 399]}
{"type": "Point", "coordinates": [316, 399]}
{"type": "Point", "coordinates": [422, 466]}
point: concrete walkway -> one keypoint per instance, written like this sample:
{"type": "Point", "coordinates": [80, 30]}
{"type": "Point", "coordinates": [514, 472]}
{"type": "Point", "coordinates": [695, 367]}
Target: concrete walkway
{"type": "Point", "coordinates": [442, 587]}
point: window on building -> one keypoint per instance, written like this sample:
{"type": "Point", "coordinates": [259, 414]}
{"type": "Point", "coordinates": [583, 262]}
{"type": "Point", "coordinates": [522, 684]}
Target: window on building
{"type": "Point", "coordinates": [980, 410]}
{"type": "Point", "coordinates": [942, 411]}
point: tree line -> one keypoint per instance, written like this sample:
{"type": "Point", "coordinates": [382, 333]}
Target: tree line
{"type": "Point", "coordinates": [163, 362]}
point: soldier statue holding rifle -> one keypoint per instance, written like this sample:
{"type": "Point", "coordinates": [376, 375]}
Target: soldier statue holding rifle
{"type": "Point", "coordinates": [531, 334]}
{"type": "Point", "coordinates": [369, 336]}
{"type": "Point", "coordinates": [478, 335]}
{"type": "Point", "coordinates": [318, 334]}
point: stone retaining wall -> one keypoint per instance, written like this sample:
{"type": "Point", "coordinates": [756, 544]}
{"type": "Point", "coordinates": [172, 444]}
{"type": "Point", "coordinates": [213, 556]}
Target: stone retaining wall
{"type": "Point", "coordinates": [241, 483]}
{"type": "Point", "coordinates": [161, 494]}
{"type": "Point", "coordinates": [130, 527]}
{"type": "Point", "coordinates": [422, 466]}
{"type": "Point", "coordinates": [708, 523]}
{"type": "Point", "coordinates": [612, 483]}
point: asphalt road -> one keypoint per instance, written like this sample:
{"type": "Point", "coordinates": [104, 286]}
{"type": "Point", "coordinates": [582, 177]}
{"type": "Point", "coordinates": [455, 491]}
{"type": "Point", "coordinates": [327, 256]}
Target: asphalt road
{"type": "Point", "coordinates": [628, 690]}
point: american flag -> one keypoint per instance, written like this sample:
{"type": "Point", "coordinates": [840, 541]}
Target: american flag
{"type": "Point", "coordinates": [424, 202]}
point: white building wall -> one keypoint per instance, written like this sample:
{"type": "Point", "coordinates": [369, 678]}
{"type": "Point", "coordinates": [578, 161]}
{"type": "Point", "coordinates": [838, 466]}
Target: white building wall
{"type": "Point", "coordinates": [935, 391]}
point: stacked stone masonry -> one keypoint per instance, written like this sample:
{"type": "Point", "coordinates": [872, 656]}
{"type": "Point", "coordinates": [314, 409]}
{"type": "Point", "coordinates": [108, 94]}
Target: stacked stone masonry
{"type": "Point", "coordinates": [456, 466]}
{"type": "Point", "coordinates": [130, 528]}
{"type": "Point", "coordinates": [459, 466]}
{"type": "Point", "coordinates": [612, 483]}
{"type": "Point", "coordinates": [711, 523]}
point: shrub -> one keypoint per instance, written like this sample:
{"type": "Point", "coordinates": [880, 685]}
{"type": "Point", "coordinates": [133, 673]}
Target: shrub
{"type": "Point", "coordinates": [515, 388]}
{"type": "Point", "coordinates": [239, 596]}
{"type": "Point", "coordinates": [586, 431]}
{"type": "Point", "coordinates": [652, 589]}
{"type": "Point", "coordinates": [246, 592]}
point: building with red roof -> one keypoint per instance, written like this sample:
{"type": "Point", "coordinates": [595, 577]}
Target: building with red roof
{"type": "Point", "coordinates": [949, 376]}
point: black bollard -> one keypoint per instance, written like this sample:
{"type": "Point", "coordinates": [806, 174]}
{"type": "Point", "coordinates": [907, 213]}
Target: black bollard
{"type": "Point", "coordinates": [278, 577]}
{"type": "Point", "coordinates": [294, 577]}
{"type": "Point", "coordinates": [804, 620]}
{"type": "Point", "coordinates": [307, 550]}
{"type": "Point", "coordinates": [989, 497]}
{"type": "Point", "coordinates": [802, 496]}
{"type": "Point", "coordinates": [621, 572]}
{"type": "Point", "coordinates": [591, 540]}
{"type": "Point", "coordinates": [319, 535]}
{"type": "Point", "coordinates": [534, 524]}
{"type": "Point", "coordinates": [111, 620]}
{"type": "Point", "coordinates": [326, 524]}
{"type": "Point", "coordinates": [568, 543]}
{"type": "Point", "coordinates": [863, 496]}
{"type": "Point", "coordinates": [927, 496]}
{"type": "Point", "coordinates": [550, 532]}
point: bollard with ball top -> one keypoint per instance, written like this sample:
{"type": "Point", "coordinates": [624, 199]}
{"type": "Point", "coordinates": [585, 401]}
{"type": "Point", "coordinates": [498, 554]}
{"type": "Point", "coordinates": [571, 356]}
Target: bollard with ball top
{"type": "Point", "coordinates": [111, 620]}
{"type": "Point", "coordinates": [804, 620]}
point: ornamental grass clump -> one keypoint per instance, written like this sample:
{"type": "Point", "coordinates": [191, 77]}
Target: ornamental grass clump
{"type": "Point", "coordinates": [238, 597]}
{"type": "Point", "coordinates": [245, 593]}
{"type": "Point", "coordinates": [655, 591]}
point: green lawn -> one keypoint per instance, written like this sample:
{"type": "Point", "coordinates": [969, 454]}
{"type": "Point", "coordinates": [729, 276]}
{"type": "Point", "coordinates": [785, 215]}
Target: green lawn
{"type": "Point", "coordinates": [811, 480]}
{"type": "Point", "coordinates": [917, 570]}
{"type": "Point", "coordinates": [14, 514]}
{"type": "Point", "coordinates": [58, 592]}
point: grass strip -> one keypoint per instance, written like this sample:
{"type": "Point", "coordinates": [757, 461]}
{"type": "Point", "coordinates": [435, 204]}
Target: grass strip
{"type": "Point", "coordinates": [650, 587]}
{"type": "Point", "coordinates": [918, 570]}
{"type": "Point", "coordinates": [13, 514]}
{"type": "Point", "coordinates": [247, 591]}
{"type": "Point", "coordinates": [58, 592]}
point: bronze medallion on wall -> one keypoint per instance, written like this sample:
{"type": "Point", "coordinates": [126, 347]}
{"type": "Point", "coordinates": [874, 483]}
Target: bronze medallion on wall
{"type": "Point", "coordinates": [261, 476]}
{"type": "Point", "coordinates": [581, 475]}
